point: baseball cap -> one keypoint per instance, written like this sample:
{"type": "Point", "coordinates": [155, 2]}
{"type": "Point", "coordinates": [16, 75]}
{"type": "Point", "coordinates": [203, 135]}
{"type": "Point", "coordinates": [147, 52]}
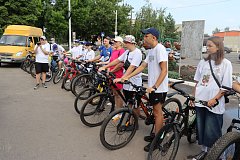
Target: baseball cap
{"type": "Point", "coordinates": [118, 39]}
{"type": "Point", "coordinates": [88, 44]}
{"type": "Point", "coordinates": [129, 38]}
{"type": "Point", "coordinates": [152, 31]}
{"type": "Point", "coordinates": [43, 37]}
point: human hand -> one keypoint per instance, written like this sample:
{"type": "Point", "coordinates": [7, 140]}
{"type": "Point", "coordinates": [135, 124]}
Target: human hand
{"type": "Point", "coordinates": [150, 90]}
{"type": "Point", "coordinates": [117, 80]}
{"type": "Point", "coordinates": [212, 102]}
{"type": "Point", "coordinates": [101, 69]}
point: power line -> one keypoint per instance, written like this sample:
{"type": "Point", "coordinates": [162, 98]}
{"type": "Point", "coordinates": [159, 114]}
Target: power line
{"type": "Point", "coordinates": [203, 4]}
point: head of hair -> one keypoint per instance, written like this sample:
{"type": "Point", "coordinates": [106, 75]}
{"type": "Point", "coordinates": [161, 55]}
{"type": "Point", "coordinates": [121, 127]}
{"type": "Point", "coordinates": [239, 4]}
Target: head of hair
{"type": "Point", "coordinates": [219, 55]}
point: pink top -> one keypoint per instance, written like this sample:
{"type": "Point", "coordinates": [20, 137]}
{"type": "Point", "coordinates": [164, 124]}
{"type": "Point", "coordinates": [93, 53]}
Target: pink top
{"type": "Point", "coordinates": [119, 73]}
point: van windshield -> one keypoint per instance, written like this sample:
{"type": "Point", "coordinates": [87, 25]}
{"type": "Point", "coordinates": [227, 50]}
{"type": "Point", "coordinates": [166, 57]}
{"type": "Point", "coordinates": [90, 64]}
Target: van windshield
{"type": "Point", "coordinates": [13, 40]}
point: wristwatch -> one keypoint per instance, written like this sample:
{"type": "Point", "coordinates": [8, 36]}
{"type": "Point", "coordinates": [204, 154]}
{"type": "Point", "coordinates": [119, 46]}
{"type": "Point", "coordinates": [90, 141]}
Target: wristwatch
{"type": "Point", "coordinates": [154, 87]}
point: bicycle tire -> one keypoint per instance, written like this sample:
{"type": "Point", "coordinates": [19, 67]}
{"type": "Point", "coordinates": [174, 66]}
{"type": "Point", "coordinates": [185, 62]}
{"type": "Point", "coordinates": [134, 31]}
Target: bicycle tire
{"type": "Point", "coordinates": [173, 104]}
{"type": "Point", "coordinates": [192, 132]}
{"type": "Point", "coordinates": [49, 76]}
{"type": "Point", "coordinates": [67, 81]}
{"type": "Point", "coordinates": [32, 70]}
{"type": "Point", "coordinates": [83, 81]}
{"type": "Point", "coordinates": [83, 95]}
{"type": "Point", "coordinates": [58, 76]}
{"type": "Point", "coordinates": [95, 109]}
{"type": "Point", "coordinates": [222, 144]}
{"type": "Point", "coordinates": [160, 146]}
{"type": "Point", "coordinates": [119, 126]}
{"type": "Point", "coordinates": [73, 81]}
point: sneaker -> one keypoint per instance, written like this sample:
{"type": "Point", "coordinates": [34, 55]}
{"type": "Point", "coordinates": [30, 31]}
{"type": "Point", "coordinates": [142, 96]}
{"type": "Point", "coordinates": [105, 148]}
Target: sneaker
{"type": "Point", "coordinates": [44, 85]}
{"type": "Point", "coordinates": [36, 87]}
{"type": "Point", "coordinates": [199, 156]}
{"type": "Point", "coordinates": [149, 138]}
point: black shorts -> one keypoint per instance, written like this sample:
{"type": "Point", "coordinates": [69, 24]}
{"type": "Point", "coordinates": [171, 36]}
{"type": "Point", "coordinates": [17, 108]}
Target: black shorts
{"type": "Point", "coordinates": [129, 95]}
{"type": "Point", "coordinates": [41, 67]}
{"type": "Point", "coordinates": [155, 98]}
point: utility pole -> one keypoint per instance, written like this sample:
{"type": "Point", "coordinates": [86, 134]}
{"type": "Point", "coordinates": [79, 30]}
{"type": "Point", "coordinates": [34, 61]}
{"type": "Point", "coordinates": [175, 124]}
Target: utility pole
{"type": "Point", "coordinates": [116, 33]}
{"type": "Point", "coordinates": [69, 24]}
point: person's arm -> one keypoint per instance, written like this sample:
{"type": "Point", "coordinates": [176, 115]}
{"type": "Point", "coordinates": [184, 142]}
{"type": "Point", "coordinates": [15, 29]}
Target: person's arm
{"type": "Point", "coordinates": [44, 51]}
{"type": "Point", "coordinates": [129, 72]}
{"type": "Point", "coordinates": [94, 59]}
{"type": "Point", "coordinates": [117, 67]}
{"type": "Point", "coordinates": [236, 86]}
{"type": "Point", "coordinates": [163, 74]}
{"type": "Point", "coordinates": [35, 49]}
{"type": "Point", "coordinates": [113, 63]}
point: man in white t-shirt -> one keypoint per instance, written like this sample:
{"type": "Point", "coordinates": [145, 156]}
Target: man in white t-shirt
{"type": "Point", "coordinates": [134, 56]}
{"type": "Point", "coordinates": [76, 51]}
{"type": "Point", "coordinates": [42, 50]}
{"type": "Point", "coordinates": [157, 62]}
{"type": "Point", "coordinates": [89, 54]}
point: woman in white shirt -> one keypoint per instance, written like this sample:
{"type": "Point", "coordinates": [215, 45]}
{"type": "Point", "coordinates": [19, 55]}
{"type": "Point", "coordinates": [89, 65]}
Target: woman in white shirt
{"type": "Point", "coordinates": [210, 117]}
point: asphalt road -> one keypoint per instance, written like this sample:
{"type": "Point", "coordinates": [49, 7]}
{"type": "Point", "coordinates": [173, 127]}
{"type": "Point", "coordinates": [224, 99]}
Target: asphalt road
{"type": "Point", "coordinates": [43, 125]}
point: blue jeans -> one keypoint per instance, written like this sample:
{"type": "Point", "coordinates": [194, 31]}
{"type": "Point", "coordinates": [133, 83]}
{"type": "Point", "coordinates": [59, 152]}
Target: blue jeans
{"type": "Point", "coordinates": [209, 126]}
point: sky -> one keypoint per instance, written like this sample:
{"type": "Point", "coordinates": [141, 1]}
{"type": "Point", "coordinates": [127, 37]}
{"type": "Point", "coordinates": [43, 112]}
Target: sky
{"type": "Point", "coordinates": [216, 13]}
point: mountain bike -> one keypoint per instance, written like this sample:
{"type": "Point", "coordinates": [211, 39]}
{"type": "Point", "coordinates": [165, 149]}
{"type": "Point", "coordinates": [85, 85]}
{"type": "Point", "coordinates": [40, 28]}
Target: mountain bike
{"type": "Point", "coordinates": [166, 142]}
{"type": "Point", "coordinates": [120, 126]}
{"type": "Point", "coordinates": [227, 147]}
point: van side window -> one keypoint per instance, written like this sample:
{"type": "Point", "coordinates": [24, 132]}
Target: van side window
{"type": "Point", "coordinates": [36, 39]}
{"type": "Point", "coordinates": [30, 40]}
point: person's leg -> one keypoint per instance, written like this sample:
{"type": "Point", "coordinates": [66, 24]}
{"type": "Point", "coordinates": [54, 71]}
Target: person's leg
{"type": "Point", "coordinates": [37, 70]}
{"type": "Point", "coordinates": [45, 68]}
{"type": "Point", "coordinates": [158, 115]}
{"type": "Point", "coordinates": [118, 99]}
{"type": "Point", "coordinates": [213, 128]}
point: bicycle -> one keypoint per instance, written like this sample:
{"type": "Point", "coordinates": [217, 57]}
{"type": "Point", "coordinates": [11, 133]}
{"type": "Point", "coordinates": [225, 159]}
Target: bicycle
{"type": "Point", "coordinates": [119, 121]}
{"type": "Point", "coordinates": [228, 146]}
{"type": "Point", "coordinates": [166, 141]}
{"type": "Point", "coordinates": [96, 108]}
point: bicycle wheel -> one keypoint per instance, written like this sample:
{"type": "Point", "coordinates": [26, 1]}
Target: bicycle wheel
{"type": "Point", "coordinates": [192, 132]}
{"type": "Point", "coordinates": [73, 82]}
{"type": "Point", "coordinates": [67, 81]}
{"type": "Point", "coordinates": [115, 131]}
{"type": "Point", "coordinates": [83, 81]}
{"type": "Point", "coordinates": [49, 76]}
{"type": "Point", "coordinates": [227, 147]}
{"type": "Point", "coordinates": [58, 76]}
{"type": "Point", "coordinates": [33, 70]}
{"type": "Point", "coordinates": [96, 109]}
{"type": "Point", "coordinates": [165, 144]}
{"type": "Point", "coordinates": [172, 104]}
{"type": "Point", "coordinates": [83, 95]}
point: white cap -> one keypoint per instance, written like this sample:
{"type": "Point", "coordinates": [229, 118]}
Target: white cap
{"type": "Point", "coordinates": [129, 38]}
{"type": "Point", "coordinates": [43, 37]}
{"type": "Point", "coordinates": [118, 39]}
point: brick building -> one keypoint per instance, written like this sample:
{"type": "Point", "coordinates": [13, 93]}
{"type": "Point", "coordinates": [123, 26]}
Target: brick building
{"type": "Point", "coordinates": [231, 39]}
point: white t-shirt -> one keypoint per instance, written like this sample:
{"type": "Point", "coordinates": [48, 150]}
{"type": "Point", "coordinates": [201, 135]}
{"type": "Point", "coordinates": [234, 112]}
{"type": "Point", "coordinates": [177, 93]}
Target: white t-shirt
{"type": "Point", "coordinates": [155, 56]}
{"type": "Point", "coordinates": [40, 56]}
{"type": "Point", "coordinates": [207, 87]}
{"type": "Point", "coordinates": [76, 51]}
{"type": "Point", "coordinates": [135, 58]}
{"type": "Point", "coordinates": [89, 55]}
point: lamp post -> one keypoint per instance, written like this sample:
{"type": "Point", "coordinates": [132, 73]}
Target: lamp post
{"type": "Point", "coordinates": [69, 24]}
{"type": "Point", "coordinates": [116, 33]}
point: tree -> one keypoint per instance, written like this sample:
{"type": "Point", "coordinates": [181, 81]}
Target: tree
{"type": "Point", "coordinates": [226, 29]}
{"type": "Point", "coordinates": [216, 30]}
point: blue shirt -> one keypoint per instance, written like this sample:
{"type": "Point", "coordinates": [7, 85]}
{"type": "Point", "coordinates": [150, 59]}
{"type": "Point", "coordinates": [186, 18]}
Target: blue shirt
{"type": "Point", "coordinates": [105, 52]}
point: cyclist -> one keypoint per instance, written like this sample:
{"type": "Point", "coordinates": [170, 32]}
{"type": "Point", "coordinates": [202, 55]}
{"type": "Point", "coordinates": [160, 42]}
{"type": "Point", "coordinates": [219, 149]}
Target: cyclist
{"type": "Point", "coordinates": [117, 69]}
{"type": "Point", "coordinates": [106, 51]}
{"type": "Point", "coordinates": [211, 71]}
{"type": "Point", "coordinates": [76, 51]}
{"type": "Point", "coordinates": [157, 60]}
{"type": "Point", "coordinates": [132, 58]}
{"type": "Point", "coordinates": [59, 51]}
{"type": "Point", "coordinates": [89, 53]}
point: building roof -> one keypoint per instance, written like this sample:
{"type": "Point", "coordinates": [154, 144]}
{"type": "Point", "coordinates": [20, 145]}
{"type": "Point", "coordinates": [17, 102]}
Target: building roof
{"type": "Point", "coordinates": [227, 33]}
